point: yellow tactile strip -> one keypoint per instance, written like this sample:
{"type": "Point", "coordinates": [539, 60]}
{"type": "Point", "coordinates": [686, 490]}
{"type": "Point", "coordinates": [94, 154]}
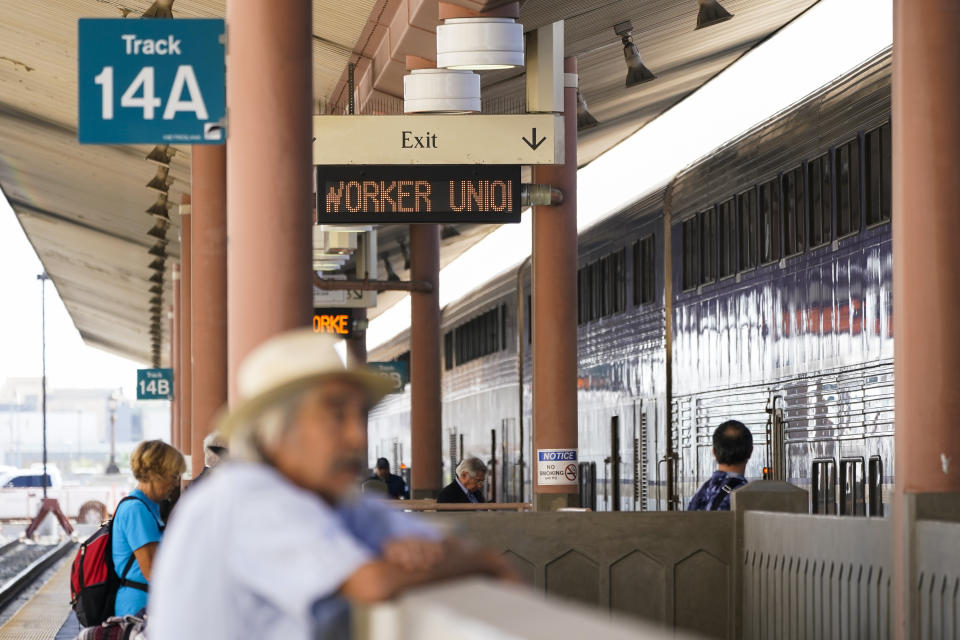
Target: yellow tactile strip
{"type": "Point", "coordinates": [45, 613]}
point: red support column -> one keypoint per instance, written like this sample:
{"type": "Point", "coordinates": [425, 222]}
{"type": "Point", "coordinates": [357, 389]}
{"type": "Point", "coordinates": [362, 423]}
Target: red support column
{"type": "Point", "coordinates": [209, 292]}
{"type": "Point", "coordinates": [186, 361]}
{"type": "Point", "coordinates": [175, 357]}
{"type": "Point", "coordinates": [425, 406]}
{"type": "Point", "coordinates": [926, 278]}
{"type": "Point", "coordinates": [269, 181]}
{"type": "Point", "coordinates": [554, 308]}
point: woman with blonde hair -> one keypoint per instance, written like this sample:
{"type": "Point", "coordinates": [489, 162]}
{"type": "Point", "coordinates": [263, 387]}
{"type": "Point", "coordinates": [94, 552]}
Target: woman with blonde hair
{"type": "Point", "coordinates": [137, 526]}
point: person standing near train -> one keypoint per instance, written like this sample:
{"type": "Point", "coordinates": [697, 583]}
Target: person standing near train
{"type": "Point", "coordinates": [732, 447]}
{"type": "Point", "coordinates": [137, 525]}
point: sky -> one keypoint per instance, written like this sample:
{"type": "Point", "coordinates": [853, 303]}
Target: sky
{"type": "Point", "coordinates": [849, 32]}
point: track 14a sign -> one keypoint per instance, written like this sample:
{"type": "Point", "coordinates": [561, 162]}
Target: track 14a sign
{"type": "Point", "coordinates": [151, 81]}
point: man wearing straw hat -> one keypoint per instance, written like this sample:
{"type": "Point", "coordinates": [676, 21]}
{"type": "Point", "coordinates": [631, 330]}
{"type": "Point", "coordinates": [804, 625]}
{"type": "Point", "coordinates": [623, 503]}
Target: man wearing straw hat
{"type": "Point", "coordinates": [276, 544]}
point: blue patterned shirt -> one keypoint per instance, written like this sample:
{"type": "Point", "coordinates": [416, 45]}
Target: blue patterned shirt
{"type": "Point", "coordinates": [714, 495]}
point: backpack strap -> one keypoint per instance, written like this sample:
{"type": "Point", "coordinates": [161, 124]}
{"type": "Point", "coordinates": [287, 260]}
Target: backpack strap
{"type": "Point", "coordinates": [725, 490]}
{"type": "Point", "coordinates": [133, 584]}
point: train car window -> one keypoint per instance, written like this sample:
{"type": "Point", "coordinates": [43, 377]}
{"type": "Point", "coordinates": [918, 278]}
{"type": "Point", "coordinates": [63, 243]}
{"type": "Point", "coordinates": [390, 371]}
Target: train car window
{"type": "Point", "coordinates": [820, 194]}
{"type": "Point", "coordinates": [852, 487]}
{"type": "Point", "coordinates": [793, 211]}
{"type": "Point", "coordinates": [476, 338]}
{"type": "Point", "coordinates": [708, 245]}
{"type": "Point", "coordinates": [644, 271]}
{"type": "Point", "coordinates": [609, 284]}
{"type": "Point", "coordinates": [747, 208]}
{"type": "Point", "coordinates": [691, 255]}
{"type": "Point", "coordinates": [727, 214]}
{"type": "Point", "coordinates": [847, 166]}
{"type": "Point", "coordinates": [824, 485]}
{"type": "Point", "coordinates": [529, 319]}
{"type": "Point", "coordinates": [596, 282]}
{"type": "Point", "coordinates": [448, 350]}
{"type": "Point", "coordinates": [877, 158]}
{"type": "Point", "coordinates": [769, 202]}
{"type": "Point", "coordinates": [875, 486]}
{"type": "Point", "coordinates": [503, 326]}
{"type": "Point", "coordinates": [619, 259]}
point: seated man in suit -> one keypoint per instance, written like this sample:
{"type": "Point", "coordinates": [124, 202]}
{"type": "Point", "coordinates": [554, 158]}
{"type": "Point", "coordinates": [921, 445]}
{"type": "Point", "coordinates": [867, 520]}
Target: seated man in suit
{"type": "Point", "coordinates": [467, 486]}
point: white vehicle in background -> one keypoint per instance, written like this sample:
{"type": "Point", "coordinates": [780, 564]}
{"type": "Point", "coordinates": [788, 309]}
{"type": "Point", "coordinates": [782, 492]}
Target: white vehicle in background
{"type": "Point", "coordinates": [90, 502]}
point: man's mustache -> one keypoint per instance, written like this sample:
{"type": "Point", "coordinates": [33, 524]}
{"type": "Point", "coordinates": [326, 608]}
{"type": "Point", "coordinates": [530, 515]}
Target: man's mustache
{"type": "Point", "coordinates": [352, 463]}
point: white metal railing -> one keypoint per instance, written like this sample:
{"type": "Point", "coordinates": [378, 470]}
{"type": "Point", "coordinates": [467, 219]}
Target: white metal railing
{"type": "Point", "coordinates": [482, 609]}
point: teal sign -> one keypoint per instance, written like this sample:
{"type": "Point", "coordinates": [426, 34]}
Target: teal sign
{"type": "Point", "coordinates": [397, 372]}
{"type": "Point", "coordinates": [154, 384]}
{"type": "Point", "coordinates": [151, 81]}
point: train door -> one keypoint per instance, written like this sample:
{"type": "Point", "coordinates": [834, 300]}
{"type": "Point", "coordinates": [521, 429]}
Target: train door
{"type": "Point", "coordinates": [638, 499]}
{"type": "Point", "coordinates": [505, 467]}
{"type": "Point", "coordinates": [774, 467]}
{"type": "Point", "coordinates": [611, 496]}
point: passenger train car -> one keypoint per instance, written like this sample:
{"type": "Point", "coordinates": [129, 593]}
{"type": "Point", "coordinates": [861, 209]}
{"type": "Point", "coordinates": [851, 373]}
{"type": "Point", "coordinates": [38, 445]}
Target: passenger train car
{"type": "Point", "coordinates": [756, 285]}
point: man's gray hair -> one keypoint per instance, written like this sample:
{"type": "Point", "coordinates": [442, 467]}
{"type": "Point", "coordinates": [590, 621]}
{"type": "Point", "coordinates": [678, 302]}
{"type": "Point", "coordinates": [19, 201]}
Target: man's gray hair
{"type": "Point", "coordinates": [472, 467]}
{"type": "Point", "coordinates": [266, 429]}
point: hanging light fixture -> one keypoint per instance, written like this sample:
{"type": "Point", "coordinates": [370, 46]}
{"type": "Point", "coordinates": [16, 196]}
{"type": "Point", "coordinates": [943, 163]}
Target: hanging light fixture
{"type": "Point", "coordinates": [161, 181]}
{"type": "Point", "coordinates": [637, 72]}
{"type": "Point", "coordinates": [711, 13]}
{"type": "Point", "coordinates": [156, 300]}
{"type": "Point", "coordinates": [159, 230]}
{"type": "Point", "coordinates": [441, 91]}
{"type": "Point", "coordinates": [479, 44]}
{"type": "Point", "coordinates": [157, 289]}
{"type": "Point", "coordinates": [159, 250]}
{"type": "Point", "coordinates": [159, 208]}
{"type": "Point", "coordinates": [585, 119]}
{"type": "Point", "coordinates": [161, 154]}
{"type": "Point", "coordinates": [158, 265]}
{"type": "Point", "coordinates": [157, 277]}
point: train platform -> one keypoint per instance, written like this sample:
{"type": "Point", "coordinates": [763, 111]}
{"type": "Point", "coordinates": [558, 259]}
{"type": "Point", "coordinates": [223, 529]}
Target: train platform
{"type": "Point", "coordinates": [47, 615]}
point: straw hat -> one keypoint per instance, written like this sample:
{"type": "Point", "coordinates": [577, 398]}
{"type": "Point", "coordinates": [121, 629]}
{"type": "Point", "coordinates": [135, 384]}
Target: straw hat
{"type": "Point", "coordinates": [286, 364]}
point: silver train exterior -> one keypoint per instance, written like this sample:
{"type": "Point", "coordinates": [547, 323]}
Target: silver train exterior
{"type": "Point", "coordinates": [778, 287]}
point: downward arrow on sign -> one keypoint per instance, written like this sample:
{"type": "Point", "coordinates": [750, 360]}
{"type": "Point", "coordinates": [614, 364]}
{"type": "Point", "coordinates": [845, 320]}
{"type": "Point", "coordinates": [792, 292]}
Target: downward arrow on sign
{"type": "Point", "coordinates": [536, 143]}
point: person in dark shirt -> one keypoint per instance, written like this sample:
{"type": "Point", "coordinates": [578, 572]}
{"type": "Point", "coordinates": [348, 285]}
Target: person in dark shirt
{"type": "Point", "coordinates": [732, 447]}
{"type": "Point", "coordinates": [396, 487]}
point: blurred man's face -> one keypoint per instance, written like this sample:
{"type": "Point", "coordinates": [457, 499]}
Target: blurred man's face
{"type": "Point", "coordinates": [323, 449]}
{"type": "Point", "coordinates": [383, 473]}
{"type": "Point", "coordinates": [473, 485]}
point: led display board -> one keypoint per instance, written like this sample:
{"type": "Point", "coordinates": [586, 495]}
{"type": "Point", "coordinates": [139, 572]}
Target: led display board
{"type": "Point", "coordinates": [336, 322]}
{"type": "Point", "coordinates": [372, 194]}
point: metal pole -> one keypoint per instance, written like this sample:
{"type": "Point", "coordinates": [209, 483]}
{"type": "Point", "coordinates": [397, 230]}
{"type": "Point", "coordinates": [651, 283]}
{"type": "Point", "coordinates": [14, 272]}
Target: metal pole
{"type": "Point", "coordinates": [43, 380]}
{"type": "Point", "coordinates": [186, 344]}
{"type": "Point", "coordinates": [554, 302]}
{"type": "Point", "coordinates": [208, 284]}
{"type": "Point", "coordinates": [926, 277]}
{"type": "Point", "coordinates": [269, 175]}
{"type": "Point", "coordinates": [425, 407]}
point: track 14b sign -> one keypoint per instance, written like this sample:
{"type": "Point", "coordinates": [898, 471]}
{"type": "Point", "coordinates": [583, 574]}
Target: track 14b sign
{"type": "Point", "coordinates": [151, 81]}
{"type": "Point", "coordinates": [154, 384]}
{"type": "Point", "coordinates": [360, 194]}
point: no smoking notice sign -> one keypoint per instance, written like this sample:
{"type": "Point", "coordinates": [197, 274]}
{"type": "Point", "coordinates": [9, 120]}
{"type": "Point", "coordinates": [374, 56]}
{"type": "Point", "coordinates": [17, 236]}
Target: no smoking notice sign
{"type": "Point", "coordinates": [557, 467]}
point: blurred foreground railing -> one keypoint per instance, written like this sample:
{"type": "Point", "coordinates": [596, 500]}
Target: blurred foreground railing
{"type": "Point", "coordinates": [433, 505]}
{"type": "Point", "coordinates": [479, 609]}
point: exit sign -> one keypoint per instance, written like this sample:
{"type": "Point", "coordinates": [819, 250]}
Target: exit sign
{"type": "Point", "coordinates": [362, 194]}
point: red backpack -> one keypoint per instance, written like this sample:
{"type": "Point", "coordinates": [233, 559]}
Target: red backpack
{"type": "Point", "coordinates": [94, 580]}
